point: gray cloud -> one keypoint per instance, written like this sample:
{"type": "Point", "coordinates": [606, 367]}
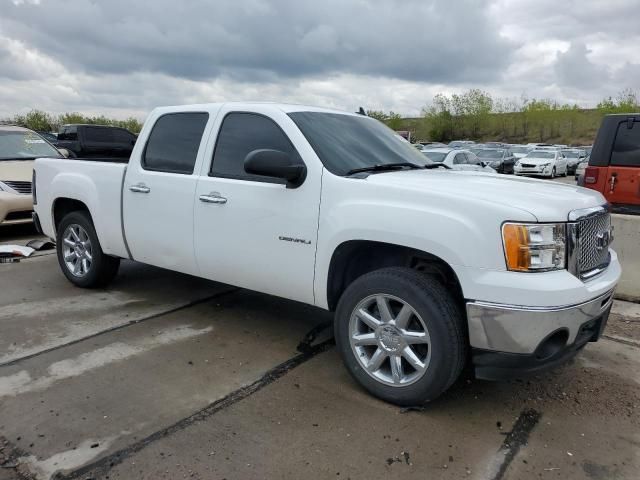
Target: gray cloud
{"type": "Point", "coordinates": [574, 69]}
{"type": "Point", "coordinates": [122, 58]}
{"type": "Point", "coordinates": [413, 40]}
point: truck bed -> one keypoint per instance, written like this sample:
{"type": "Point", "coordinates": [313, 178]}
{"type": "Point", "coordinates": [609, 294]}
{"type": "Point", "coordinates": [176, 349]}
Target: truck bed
{"type": "Point", "coordinates": [94, 182]}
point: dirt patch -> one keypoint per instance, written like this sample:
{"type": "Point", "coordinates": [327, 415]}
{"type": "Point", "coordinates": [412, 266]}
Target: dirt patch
{"type": "Point", "coordinates": [573, 388]}
{"type": "Point", "coordinates": [623, 326]}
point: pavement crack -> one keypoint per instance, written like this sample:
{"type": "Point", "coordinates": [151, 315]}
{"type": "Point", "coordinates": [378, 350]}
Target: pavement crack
{"type": "Point", "coordinates": [103, 465]}
{"type": "Point", "coordinates": [16, 361]}
{"type": "Point", "coordinates": [515, 439]}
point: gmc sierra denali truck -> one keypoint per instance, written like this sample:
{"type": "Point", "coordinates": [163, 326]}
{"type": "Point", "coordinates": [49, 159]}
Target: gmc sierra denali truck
{"type": "Point", "coordinates": [426, 268]}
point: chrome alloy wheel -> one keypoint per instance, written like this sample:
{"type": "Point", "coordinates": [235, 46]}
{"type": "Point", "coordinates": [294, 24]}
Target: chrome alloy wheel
{"type": "Point", "coordinates": [77, 250]}
{"type": "Point", "coordinates": [390, 340]}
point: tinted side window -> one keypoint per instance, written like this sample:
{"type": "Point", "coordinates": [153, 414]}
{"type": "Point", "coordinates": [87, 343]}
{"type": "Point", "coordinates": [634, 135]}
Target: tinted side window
{"type": "Point", "coordinates": [459, 159]}
{"type": "Point", "coordinates": [68, 133]}
{"type": "Point", "coordinates": [242, 133]}
{"type": "Point", "coordinates": [122, 136]}
{"type": "Point", "coordinates": [174, 142]}
{"type": "Point", "coordinates": [626, 148]}
{"type": "Point", "coordinates": [97, 134]}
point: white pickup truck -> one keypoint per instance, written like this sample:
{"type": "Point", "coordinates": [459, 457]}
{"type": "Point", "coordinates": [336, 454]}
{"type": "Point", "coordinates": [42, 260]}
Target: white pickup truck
{"type": "Point", "coordinates": [425, 268]}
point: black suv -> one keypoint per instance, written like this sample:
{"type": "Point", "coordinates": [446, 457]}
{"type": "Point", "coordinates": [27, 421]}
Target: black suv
{"type": "Point", "coordinates": [97, 141]}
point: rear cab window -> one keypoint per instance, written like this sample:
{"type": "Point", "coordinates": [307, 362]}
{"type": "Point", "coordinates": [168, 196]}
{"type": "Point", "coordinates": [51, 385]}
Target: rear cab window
{"type": "Point", "coordinates": [174, 142]}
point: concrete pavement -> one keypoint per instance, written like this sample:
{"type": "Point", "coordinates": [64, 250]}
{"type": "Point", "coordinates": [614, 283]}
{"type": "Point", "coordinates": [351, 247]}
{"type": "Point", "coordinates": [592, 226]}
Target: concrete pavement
{"type": "Point", "coordinates": [167, 376]}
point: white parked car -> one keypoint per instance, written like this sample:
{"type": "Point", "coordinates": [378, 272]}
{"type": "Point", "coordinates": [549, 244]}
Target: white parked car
{"type": "Point", "coordinates": [544, 163]}
{"type": "Point", "coordinates": [425, 268]}
{"type": "Point", "coordinates": [457, 159]}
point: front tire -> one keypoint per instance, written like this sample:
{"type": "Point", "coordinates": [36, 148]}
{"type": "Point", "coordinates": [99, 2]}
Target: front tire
{"type": "Point", "coordinates": [553, 173]}
{"type": "Point", "coordinates": [80, 255]}
{"type": "Point", "coordinates": [401, 335]}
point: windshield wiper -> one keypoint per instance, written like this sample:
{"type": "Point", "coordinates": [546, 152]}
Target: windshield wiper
{"type": "Point", "coordinates": [384, 167]}
{"type": "Point", "coordinates": [437, 165]}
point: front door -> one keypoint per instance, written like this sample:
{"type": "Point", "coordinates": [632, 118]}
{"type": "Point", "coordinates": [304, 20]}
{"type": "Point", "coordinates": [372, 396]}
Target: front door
{"type": "Point", "coordinates": [158, 193]}
{"type": "Point", "coordinates": [622, 186]}
{"type": "Point", "coordinates": [252, 231]}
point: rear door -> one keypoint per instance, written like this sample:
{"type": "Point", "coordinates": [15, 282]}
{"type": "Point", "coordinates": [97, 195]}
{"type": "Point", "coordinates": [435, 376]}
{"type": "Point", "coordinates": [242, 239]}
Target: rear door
{"type": "Point", "coordinates": [97, 141]}
{"type": "Point", "coordinates": [158, 192]}
{"type": "Point", "coordinates": [252, 231]}
{"type": "Point", "coordinates": [622, 186]}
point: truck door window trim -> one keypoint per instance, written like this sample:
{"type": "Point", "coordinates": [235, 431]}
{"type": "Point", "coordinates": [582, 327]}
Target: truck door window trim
{"type": "Point", "coordinates": [250, 177]}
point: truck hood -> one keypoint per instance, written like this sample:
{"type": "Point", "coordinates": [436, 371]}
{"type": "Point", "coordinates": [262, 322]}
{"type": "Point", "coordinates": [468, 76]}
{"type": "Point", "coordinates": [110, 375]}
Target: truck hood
{"type": "Point", "coordinates": [16, 170]}
{"type": "Point", "coordinates": [546, 200]}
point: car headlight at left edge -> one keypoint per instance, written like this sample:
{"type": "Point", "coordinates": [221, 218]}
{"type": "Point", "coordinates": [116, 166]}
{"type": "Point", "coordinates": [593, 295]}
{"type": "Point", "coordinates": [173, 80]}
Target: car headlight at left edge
{"type": "Point", "coordinates": [534, 247]}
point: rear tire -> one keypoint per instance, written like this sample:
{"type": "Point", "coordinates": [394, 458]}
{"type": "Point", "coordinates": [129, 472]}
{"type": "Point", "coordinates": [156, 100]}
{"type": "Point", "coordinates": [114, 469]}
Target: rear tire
{"type": "Point", "coordinates": [80, 255]}
{"type": "Point", "coordinates": [376, 354]}
{"type": "Point", "coordinates": [553, 173]}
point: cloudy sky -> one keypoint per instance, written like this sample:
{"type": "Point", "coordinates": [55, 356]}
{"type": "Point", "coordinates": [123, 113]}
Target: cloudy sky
{"type": "Point", "coordinates": [123, 57]}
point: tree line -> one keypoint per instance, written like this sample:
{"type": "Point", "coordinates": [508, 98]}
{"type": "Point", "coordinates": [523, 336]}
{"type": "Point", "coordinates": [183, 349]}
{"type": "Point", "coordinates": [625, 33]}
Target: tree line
{"type": "Point", "coordinates": [476, 115]}
{"type": "Point", "coordinates": [46, 122]}
{"type": "Point", "coordinates": [473, 115]}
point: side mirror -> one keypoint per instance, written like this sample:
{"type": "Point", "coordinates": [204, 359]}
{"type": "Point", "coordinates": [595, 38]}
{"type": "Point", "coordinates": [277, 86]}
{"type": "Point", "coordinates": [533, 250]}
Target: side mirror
{"type": "Point", "coordinates": [64, 152]}
{"type": "Point", "coordinates": [274, 163]}
{"type": "Point", "coordinates": [484, 164]}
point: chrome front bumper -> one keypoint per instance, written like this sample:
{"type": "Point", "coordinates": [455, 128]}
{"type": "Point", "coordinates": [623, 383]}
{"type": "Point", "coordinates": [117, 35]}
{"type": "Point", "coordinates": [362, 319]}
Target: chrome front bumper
{"type": "Point", "coordinates": [520, 330]}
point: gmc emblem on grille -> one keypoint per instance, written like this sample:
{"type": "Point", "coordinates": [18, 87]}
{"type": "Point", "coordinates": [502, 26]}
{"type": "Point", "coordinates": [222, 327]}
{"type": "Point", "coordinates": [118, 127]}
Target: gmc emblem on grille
{"type": "Point", "coordinates": [603, 239]}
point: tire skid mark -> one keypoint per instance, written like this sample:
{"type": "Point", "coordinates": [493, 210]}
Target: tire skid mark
{"type": "Point", "coordinates": [103, 465]}
{"type": "Point", "coordinates": [515, 439]}
{"type": "Point", "coordinates": [118, 327]}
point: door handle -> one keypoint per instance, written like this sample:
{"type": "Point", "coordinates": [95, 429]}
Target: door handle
{"type": "Point", "coordinates": [213, 197]}
{"type": "Point", "coordinates": [612, 182]}
{"type": "Point", "coordinates": [139, 188]}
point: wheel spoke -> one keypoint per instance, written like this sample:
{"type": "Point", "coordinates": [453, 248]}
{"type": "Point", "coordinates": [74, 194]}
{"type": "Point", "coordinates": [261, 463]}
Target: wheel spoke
{"type": "Point", "coordinates": [85, 265]}
{"type": "Point", "coordinates": [376, 360]}
{"type": "Point", "coordinates": [87, 255]}
{"type": "Point", "coordinates": [69, 243]}
{"type": "Point", "coordinates": [402, 320]}
{"type": "Point", "coordinates": [74, 234]}
{"type": "Point", "coordinates": [415, 337]}
{"type": "Point", "coordinates": [396, 368]}
{"type": "Point", "coordinates": [70, 256]}
{"type": "Point", "coordinates": [77, 267]}
{"type": "Point", "coordinates": [365, 339]}
{"type": "Point", "coordinates": [384, 309]}
{"type": "Point", "coordinates": [368, 319]}
{"type": "Point", "coordinates": [412, 358]}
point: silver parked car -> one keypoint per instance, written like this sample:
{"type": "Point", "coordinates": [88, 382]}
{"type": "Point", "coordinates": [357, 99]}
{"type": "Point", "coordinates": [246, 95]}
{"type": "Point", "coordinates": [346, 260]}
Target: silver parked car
{"type": "Point", "coordinates": [457, 159]}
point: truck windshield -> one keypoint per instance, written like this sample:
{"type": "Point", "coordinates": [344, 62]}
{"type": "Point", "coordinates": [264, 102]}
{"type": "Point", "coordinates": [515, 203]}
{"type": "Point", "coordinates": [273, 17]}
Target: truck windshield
{"type": "Point", "coordinates": [347, 142]}
{"type": "Point", "coordinates": [24, 145]}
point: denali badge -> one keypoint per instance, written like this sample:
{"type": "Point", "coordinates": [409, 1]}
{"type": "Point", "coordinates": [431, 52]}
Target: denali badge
{"type": "Point", "coordinates": [295, 240]}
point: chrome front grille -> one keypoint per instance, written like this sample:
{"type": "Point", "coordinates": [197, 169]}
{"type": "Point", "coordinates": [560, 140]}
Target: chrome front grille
{"type": "Point", "coordinates": [590, 237]}
{"type": "Point", "coordinates": [20, 187]}
{"type": "Point", "coordinates": [594, 253]}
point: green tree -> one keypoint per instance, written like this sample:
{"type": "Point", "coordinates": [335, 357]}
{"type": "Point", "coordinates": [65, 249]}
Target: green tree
{"type": "Point", "coordinates": [36, 120]}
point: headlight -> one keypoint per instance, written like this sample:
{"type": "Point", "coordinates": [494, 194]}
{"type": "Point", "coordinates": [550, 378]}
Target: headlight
{"type": "Point", "coordinates": [534, 247]}
{"type": "Point", "coordinates": [545, 164]}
